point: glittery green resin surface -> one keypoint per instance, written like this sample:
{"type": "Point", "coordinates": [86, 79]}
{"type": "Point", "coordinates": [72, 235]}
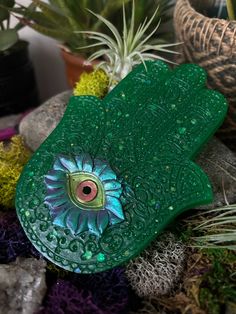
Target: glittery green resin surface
{"type": "Point", "coordinates": [148, 129]}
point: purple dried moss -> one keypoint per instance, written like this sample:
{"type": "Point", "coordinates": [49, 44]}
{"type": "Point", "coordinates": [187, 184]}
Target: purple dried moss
{"type": "Point", "coordinates": [13, 241]}
{"type": "Point", "coordinates": [64, 297]}
{"type": "Point", "coordinates": [101, 293]}
{"type": "Point", "coordinates": [109, 289]}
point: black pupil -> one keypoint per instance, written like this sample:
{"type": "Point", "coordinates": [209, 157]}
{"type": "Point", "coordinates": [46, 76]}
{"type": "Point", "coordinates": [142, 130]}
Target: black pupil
{"type": "Point", "coordinates": [86, 190]}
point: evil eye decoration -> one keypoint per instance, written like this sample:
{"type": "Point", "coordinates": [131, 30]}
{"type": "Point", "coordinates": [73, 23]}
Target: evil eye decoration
{"type": "Point", "coordinates": [83, 194]}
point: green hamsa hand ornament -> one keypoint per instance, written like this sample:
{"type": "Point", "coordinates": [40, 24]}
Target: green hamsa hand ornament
{"type": "Point", "coordinates": [115, 172]}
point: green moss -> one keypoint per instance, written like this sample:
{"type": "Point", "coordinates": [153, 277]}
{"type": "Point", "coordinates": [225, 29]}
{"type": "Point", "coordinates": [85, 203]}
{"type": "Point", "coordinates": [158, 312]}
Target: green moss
{"type": "Point", "coordinates": [213, 281]}
{"type": "Point", "coordinates": [95, 83]}
{"type": "Point", "coordinates": [186, 234]}
{"type": "Point", "coordinates": [208, 300]}
{"type": "Point", "coordinates": [218, 286]}
{"type": "Point", "coordinates": [221, 255]}
{"type": "Point", "coordinates": [183, 231]}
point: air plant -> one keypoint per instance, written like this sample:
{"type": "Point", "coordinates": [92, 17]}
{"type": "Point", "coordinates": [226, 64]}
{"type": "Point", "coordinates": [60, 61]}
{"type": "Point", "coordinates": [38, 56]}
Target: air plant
{"type": "Point", "coordinates": [121, 53]}
{"type": "Point", "coordinates": [217, 226]}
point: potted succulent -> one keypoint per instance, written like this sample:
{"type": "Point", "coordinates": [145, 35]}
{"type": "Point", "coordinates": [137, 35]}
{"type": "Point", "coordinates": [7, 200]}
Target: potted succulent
{"type": "Point", "coordinates": [124, 50]}
{"type": "Point", "coordinates": [64, 21]}
{"type": "Point", "coordinates": [17, 82]}
{"type": "Point", "coordinates": [210, 41]}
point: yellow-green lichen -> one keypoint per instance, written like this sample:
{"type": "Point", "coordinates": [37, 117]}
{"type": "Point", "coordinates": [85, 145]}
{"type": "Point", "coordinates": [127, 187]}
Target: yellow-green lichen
{"type": "Point", "coordinates": [95, 83]}
{"type": "Point", "coordinates": [13, 157]}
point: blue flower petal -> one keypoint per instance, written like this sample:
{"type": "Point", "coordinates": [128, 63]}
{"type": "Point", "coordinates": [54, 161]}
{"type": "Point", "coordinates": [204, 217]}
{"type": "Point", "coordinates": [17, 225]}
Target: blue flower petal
{"type": "Point", "coordinates": [112, 188]}
{"type": "Point", "coordinates": [111, 185]}
{"type": "Point", "coordinates": [60, 220]}
{"type": "Point", "coordinates": [82, 223]}
{"type": "Point", "coordinates": [102, 220]}
{"type": "Point", "coordinates": [114, 219]}
{"type": "Point", "coordinates": [55, 175]}
{"type": "Point", "coordinates": [73, 220]}
{"type": "Point", "coordinates": [99, 166]}
{"type": "Point", "coordinates": [57, 211]}
{"type": "Point", "coordinates": [55, 193]}
{"type": "Point", "coordinates": [51, 184]}
{"type": "Point", "coordinates": [92, 223]}
{"type": "Point", "coordinates": [58, 166]}
{"type": "Point", "coordinates": [68, 163]}
{"type": "Point", "coordinates": [113, 205]}
{"type": "Point", "coordinates": [55, 201]}
{"type": "Point", "coordinates": [79, 162]}
{"type": "Point", "coordinates": [87, 163]}
{"type": "Point", "coordinates": [107, 174]}
{"type": "Point", "coordinates": [115, 193]}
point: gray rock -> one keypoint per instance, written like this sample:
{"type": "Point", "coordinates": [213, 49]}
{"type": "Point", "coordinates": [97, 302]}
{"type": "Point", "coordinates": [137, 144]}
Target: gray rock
{"type": "Point", "coordinates": [38, 125]}
{"type": "Point", "coordinates": [22, 286]}
{"type": "Point", "coordinates": [219, 162]}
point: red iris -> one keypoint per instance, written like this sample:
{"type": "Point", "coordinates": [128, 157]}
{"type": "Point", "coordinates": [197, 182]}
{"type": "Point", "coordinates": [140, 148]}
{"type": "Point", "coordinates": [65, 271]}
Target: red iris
{"type": "Point", "coordinates": [87, 191]}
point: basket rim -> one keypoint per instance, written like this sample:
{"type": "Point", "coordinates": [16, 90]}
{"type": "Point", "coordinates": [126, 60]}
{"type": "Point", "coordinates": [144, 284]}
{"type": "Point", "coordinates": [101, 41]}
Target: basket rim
{"type": "Point", "coordinates": [188, 6]}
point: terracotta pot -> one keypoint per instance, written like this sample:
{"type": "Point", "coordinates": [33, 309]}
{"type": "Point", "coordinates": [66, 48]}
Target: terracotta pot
{"type": "Point", "coordinates": [211, 43]}
{"type": "Point", "coordinates": [75, 65]}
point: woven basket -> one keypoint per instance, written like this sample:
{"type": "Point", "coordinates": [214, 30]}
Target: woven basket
{"type": "Point", "coordinates": [211, 43]}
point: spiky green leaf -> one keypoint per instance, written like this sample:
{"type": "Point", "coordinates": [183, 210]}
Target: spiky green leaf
{"type": "Point", "coordinates": [7, 39]}
{"type": "Point", "coordinates": [51, 14]}
{"type": "Point", "coordinates": [4, 15]}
